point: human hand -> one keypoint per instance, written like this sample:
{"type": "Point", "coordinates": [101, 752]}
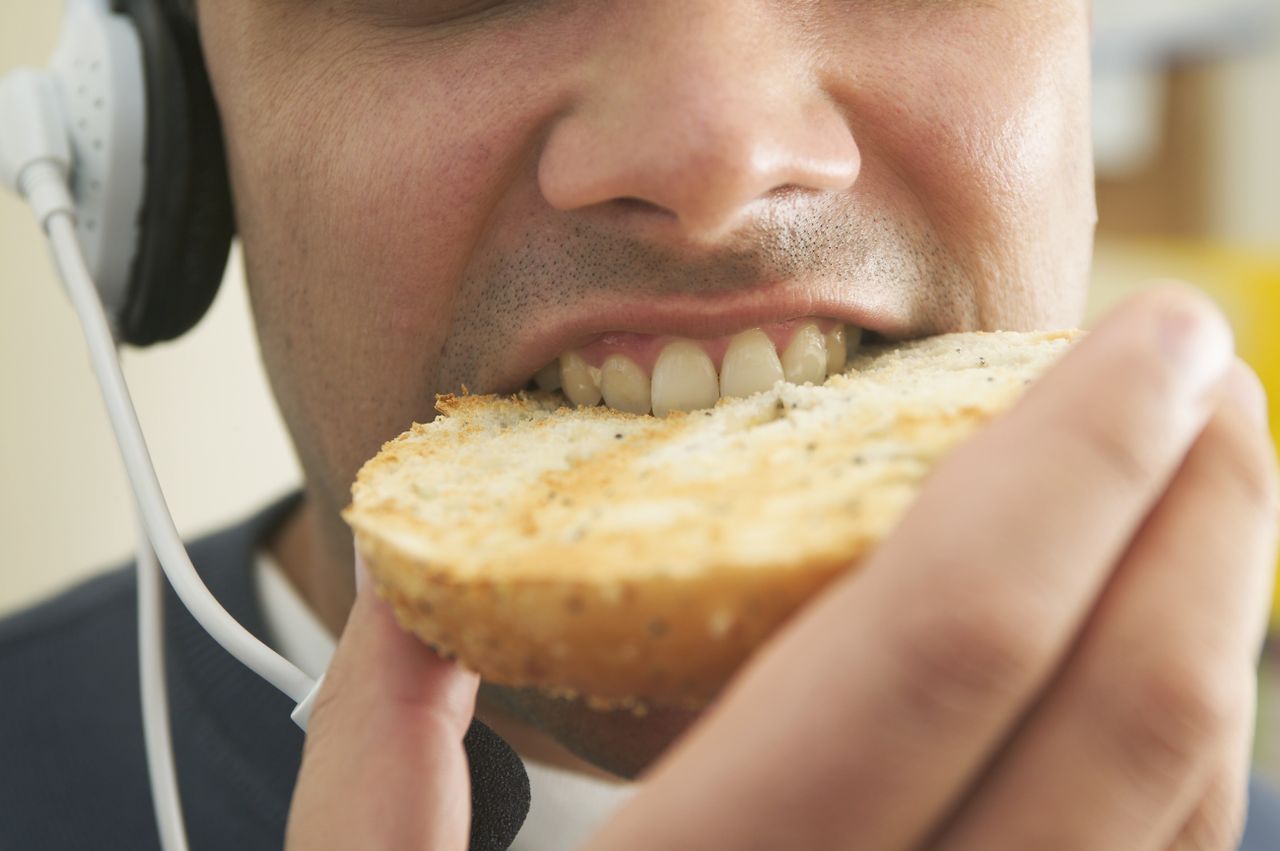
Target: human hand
{"type": "Point", "coordinates": [1055, 648]}
{"type": "Point", "coordinates": [384, 764]}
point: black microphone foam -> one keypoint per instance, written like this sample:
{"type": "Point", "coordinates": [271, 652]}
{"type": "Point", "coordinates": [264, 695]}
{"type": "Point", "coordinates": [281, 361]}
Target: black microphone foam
{"type": "Point", "coordinates": [499, 789]}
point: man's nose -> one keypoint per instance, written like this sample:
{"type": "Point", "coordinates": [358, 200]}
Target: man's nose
{"type": "Point", "coordinates": [699, 113]}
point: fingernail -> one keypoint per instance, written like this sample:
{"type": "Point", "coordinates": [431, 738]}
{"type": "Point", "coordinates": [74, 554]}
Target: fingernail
{"type": "Point", "coordinates": [1198, 340]}
{"type": "Point", "coordinates": [1244, 388]}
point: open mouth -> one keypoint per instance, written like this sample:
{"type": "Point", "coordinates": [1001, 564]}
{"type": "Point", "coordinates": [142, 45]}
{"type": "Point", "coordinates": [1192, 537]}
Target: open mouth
{"type": "Point", "coordinates": [647, 373]}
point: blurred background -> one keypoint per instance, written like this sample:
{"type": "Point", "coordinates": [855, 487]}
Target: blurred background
{"type": "Point", "coordinates": [1187, 123]}
{"type": "Point", "coordinates": [1187, 139]}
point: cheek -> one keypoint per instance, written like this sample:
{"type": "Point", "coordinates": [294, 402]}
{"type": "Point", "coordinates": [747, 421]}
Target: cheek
{"type": "Point", "coordinates": [981, 121]}
{"type": "Point", "coordinates": [987, 132]}
{"type": "Point", "coordinates": [363, 183]}
{"type": "Point", "coordinates": [368, 164]}
{"type": "Point", "coordinates": [385, 191]}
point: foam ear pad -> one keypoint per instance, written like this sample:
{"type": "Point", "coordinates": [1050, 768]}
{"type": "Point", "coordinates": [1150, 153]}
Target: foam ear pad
{"type": "Point", "coordinates": [187, 220]}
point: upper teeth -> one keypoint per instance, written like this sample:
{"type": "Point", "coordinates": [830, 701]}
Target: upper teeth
{"type": "Point", "coordinates": [580, 380]}
{"type": "Point", "coordinates": [806, 358]}
{"type": "Point", "coordinates": [684, 376]}
{"type": "Point", "coordinates": [837, 349]}
{"type": "Point", "coordinates": [750, 365]}
{"type": "Point", "coordinates": [684, 379]}
{"type": "Point", "coordinates": [624, 385]}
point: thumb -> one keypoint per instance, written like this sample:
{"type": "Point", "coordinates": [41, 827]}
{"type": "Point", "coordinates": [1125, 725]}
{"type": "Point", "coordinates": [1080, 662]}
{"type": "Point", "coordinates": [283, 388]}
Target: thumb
{"type": "Point", "coordinates": [384, 765]}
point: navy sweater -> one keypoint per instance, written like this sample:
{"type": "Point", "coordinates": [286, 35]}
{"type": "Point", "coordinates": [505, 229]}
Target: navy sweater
{"type": "Point", "coordinates": [72, 766]}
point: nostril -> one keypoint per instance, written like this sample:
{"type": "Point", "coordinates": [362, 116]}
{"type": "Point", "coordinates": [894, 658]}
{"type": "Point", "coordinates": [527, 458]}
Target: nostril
{"type": "Point", "coordinates": [639, 205]}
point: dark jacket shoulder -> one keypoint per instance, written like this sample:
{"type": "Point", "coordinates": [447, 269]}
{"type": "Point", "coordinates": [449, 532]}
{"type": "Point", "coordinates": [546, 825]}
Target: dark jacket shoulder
{"type": "Point", "coordinates": [72, 764]}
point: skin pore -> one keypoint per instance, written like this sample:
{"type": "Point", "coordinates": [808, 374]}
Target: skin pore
{"type": "Point", "coordinates": [423, 187]}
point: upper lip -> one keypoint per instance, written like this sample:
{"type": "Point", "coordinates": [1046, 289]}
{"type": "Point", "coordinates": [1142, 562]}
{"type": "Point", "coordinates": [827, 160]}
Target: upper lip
{"type": "Point", "coordinates": [686, 315]}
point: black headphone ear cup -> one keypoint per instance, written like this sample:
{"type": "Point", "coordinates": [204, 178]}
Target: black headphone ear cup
{"type": "Point", "coordinates": [187, 222]}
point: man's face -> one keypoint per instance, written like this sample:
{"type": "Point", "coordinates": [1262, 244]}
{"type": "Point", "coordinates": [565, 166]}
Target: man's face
{"type": "Point", "coordinates": [433, 193]}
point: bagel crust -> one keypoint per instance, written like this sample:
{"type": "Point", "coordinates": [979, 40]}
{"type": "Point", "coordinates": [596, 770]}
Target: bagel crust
{"type": "Point", "coordinates": [638, 561]}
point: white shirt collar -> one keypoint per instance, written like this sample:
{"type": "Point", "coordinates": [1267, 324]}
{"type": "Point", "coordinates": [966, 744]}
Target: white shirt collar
{"type": "Point", "coordinates": [566, 807]}
{"type": "Point", "coordinates": [293, 630]}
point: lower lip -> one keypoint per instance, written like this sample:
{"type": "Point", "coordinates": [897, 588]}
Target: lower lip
{"type": "Point", "coordinates": [643, 349]}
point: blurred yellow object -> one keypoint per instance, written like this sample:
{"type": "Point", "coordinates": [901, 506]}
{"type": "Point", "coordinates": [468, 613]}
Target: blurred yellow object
{"type": "Point", "coordinates": [1246, 283]}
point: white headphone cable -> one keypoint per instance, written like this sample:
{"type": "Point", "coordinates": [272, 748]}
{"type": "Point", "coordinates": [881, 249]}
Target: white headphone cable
{"type": "Point", "coordinates": [204, 607]}
{"type": "Point", "coordinates": [35, 159]}
{"type": "Point", "coordinates": [165, 797]}
{"type": "Point", "coordinates": [44, 186]}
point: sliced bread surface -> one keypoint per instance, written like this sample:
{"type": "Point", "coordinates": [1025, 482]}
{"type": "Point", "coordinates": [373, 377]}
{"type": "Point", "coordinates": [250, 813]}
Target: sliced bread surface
{"type": "Point", "coordinates": [635, 560]}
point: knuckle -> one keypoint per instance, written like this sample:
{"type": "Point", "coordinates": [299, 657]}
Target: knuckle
{"type": "Point", "coordinates": [1218, 825]}
{"type": "Point", "coordinates": [1170, 717]}
{"type": "Point", "coordinates": [1126, 433]}
{"type": "Point", "coordinates": [965, 659]}
{"type": "Point", "coordinates": [1247, 466]}
{"type": "Point", "coordinates": [1112, 448]}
